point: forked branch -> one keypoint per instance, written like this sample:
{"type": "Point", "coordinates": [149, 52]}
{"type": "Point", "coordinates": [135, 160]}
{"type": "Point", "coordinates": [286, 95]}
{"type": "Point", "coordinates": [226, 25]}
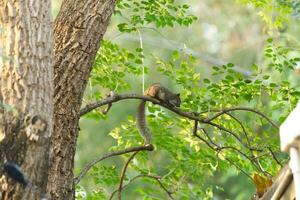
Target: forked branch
{"type": "Point", "coordinates": [157, 178]}
{"type": "Point", "coordinates": [108, 155]}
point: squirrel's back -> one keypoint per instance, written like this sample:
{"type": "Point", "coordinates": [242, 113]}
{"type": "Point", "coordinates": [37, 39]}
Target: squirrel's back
{"type": "Point", "coordinates": [161, 93]}
{"type": "Point", "coordinates": [164, 95]}
{"type": "Point", "coordinates": [153, 90]}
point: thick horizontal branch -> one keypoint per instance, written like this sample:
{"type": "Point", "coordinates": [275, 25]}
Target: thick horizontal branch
{"type": "Point", "coordinates": [190, 115]}
{"type": "Point", "coordinates": [108, 155]}
{"type": "Point", "coordinates": [88, 108]}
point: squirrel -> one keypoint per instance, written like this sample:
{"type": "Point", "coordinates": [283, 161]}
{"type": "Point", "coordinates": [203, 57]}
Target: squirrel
{"type": "Point", "coordinates": [162, 94]}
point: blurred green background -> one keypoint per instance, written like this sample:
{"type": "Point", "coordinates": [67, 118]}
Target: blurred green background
{"type": "Point", "coordinates": [224, 32]}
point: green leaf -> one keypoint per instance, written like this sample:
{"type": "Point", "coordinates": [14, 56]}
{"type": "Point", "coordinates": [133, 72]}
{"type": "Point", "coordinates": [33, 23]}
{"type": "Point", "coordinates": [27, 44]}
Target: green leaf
{"type": "Point", "coordinates": [207, 81]}
{"type": "Point", "coordinates": [270, 40]}
{"type": "Point", "coordinates": [139, 50]}
{"type": "Point", "coordinates": [230, 65]}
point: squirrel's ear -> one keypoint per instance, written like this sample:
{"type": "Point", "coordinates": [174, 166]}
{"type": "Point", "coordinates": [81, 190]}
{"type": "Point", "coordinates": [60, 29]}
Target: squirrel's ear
{"type": "Point", "coordinates": [178, 94]}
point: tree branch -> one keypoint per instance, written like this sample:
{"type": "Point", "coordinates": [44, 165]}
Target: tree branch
{"type": "Point", "coordinates": [201, 138]}
{"type": "Point", "coordinates": [274, 156]}
{"type": "Point", "coordinates": [108, 155]}
{"type": "Point", "coordinates": [224, 111]}
{"type": "Point", "coordinates": [157, 178]}
{"type": "Point", "coordinates": [195, 117]}
{"type": "Point", "coordinates": [217, 148]}
{"type": "Point", "coordinates": [242, 126]}
{"type": "Point", "coordinates": [190, 115]}
{"type": "Point", "coordinates": [123, 175]}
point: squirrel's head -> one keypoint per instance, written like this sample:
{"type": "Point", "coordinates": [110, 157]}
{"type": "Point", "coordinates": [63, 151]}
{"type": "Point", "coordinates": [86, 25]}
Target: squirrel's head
{"type": "Point", "coordinates": [175, 100]}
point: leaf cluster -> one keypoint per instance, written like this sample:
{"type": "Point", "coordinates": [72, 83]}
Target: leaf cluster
{"type": "Point", "coordinates": [160, 13]}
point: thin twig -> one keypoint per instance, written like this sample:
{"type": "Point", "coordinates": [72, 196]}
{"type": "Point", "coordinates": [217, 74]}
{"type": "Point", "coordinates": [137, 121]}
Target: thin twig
{"type": "Point", "coordinates": [201, 138]}
{"type": "Point", "coordinates": [242, 126]}
{"type": "Point", "coordinates": [254, 162]}
{"type": "Point", "coordinates": [249, 144]}
{"type": "Point", "coordinates": [207, 135]}
{"type": "Point", "coordinates": [110, 94]}
{"type": "Point", "coordinates": [222, 128]}
{"type": "Point", "coordinates": [108, 155]}
{"type": "Point", "coordinates": [243, 109]}
{"type": "Point", "coordinates": [169, 193]}
{"type": "Point", "coordinates": [157, 178]}
{"type": "Point", "coordinates": [274, 156]}
{"type": "Point", "coordinates": [239, 168]}
{"type": "Point", "coordinates": [218, 148]}
{"type": "Point", "coordinates": [123, 175]}
{"type": "Point", "coordinates": [104, 112]}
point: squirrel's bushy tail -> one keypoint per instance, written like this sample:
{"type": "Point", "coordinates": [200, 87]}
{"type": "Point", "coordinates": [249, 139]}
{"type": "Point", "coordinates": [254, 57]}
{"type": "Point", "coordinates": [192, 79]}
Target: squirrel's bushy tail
{"type": "Point", "coordinates": [141, 122]}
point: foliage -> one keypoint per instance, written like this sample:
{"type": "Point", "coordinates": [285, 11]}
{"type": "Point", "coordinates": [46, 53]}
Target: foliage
{"type": "Point", "coordinates": [160, 13]}
{"type": "Point", "coordinates": [113, 64]}
{"type": "Point", "coordinates": [296, 9]}
{"type": "Point", "coordinates": [273, 12]}
{"type": "Point", "coordinates": [185, 160]}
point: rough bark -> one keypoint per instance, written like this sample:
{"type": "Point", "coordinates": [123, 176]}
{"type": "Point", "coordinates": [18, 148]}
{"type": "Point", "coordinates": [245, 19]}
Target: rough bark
{"type": "Point", "coordinates": [78, 29]}
{"type": "Point", "coordinates": [26, 94]}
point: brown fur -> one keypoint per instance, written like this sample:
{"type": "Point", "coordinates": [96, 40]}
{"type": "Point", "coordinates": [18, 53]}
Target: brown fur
{"type": "Point", "coordinates": [162, 94]}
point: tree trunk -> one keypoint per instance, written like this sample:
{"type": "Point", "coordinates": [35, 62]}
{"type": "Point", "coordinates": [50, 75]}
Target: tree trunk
{"type": "Point", "coordinates": [78, 29]}
{"type": "Point", "coordinates": [26, 90]}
